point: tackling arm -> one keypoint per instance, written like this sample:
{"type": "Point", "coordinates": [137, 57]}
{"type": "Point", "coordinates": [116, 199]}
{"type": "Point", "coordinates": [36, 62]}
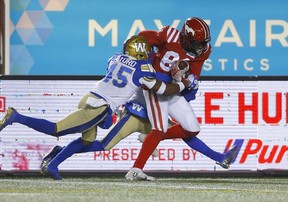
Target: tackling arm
{"type": "Point", "coordinates": [169, 88]}
{"type": "Point", "coordinates": [166, 88]}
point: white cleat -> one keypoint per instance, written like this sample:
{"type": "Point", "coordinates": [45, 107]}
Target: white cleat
{"type": "Point", "coordinates": [138, 174]}
{"type": "Point", "coordinates": [141, 138]}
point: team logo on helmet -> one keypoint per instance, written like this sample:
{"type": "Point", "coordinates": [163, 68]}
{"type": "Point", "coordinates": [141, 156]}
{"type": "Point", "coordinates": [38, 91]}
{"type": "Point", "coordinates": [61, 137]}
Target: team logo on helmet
{"type": "Point", "coordinates": [139, 47]}
{"type": "Point", "coordinates": [189, 30]}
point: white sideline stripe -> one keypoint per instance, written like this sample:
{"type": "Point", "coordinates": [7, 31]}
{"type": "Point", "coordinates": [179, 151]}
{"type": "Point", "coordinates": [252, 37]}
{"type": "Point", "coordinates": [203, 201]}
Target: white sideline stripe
{"type": "Point", "coordinates": [126, 183]}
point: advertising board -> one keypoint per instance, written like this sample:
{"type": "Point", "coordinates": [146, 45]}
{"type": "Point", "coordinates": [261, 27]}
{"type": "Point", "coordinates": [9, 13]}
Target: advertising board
{"type": "Point", "coordinates": [249, 113]}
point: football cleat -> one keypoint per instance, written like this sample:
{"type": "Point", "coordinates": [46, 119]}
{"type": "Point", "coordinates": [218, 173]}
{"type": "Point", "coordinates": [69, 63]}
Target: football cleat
{"type": "Point", "coordinates": [229, 157]}
{"type": "Point", "coordinates": [138, 174]}
{"type": "Point", "coordinates": [46, 160]}
{"type": "Point", "coordinates": [8, 118]}
{"type": "Point", "coordinates": [141, 138]}
{"type": "Point", "coordinates": [50, 172]}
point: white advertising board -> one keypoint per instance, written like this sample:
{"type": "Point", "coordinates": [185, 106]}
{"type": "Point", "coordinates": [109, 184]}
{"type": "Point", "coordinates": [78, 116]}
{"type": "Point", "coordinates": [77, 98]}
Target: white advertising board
{"type": "Point", "coordinates": [251, 114]}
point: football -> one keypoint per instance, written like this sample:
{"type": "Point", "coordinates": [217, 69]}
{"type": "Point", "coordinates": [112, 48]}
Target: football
{"type": "Point", "coordinates": [183, 65]}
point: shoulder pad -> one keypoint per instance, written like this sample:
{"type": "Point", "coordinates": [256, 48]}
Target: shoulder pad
{"type": "Point", "coordinates": [149, 72]}
{"type": "Point", "coordinates": [147, 68]}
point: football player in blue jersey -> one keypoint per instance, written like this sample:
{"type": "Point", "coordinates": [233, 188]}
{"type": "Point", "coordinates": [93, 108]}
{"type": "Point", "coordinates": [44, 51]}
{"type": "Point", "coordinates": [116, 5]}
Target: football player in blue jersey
{"type": "Point", "coordinates": [126, 73]}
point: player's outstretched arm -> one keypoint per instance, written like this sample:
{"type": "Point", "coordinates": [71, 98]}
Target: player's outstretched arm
{"type": "Point", "coordinates": [170, 88]}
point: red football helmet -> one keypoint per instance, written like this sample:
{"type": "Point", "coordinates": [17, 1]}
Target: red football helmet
{"type": "Point", "coordinates": [194, 36]}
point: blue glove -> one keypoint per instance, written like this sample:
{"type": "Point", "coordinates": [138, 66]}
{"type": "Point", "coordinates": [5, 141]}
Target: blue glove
{"type": "Point", "coordinates": [189, 94]}
{"type": "Point", "coordinates": [193, 82]}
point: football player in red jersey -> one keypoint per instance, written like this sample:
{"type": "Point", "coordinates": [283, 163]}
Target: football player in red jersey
{"type": "Point", "coordinates": [191, 44]}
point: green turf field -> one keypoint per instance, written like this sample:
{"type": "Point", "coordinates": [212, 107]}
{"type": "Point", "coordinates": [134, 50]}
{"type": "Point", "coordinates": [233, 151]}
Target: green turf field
{"type": "Point", "coordinates": [163, 189]}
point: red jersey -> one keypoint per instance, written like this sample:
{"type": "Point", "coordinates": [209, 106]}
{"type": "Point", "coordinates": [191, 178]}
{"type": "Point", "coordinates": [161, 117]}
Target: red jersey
{"type": "Point", "coordinates": [167, 41]}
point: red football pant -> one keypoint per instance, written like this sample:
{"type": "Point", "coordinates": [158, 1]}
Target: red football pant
{"type": "Point", "coordinates": [148, 146]}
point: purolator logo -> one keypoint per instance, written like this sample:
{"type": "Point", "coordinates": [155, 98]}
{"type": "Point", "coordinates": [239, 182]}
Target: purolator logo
{"type": "Point", "coordinates": [266, 153]}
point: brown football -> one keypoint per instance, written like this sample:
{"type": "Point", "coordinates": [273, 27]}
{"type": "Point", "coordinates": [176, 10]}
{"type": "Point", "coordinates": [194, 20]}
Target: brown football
{"type": "Point", "coordinates": [182, 64]}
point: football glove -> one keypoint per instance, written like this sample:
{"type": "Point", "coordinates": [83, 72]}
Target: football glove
{"type": "Point", "coordinates": [193, 82]}
{"type": "Point", "coordinates": [178, 69]}
{"type": "Point", "coordinates": [189, 94]}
